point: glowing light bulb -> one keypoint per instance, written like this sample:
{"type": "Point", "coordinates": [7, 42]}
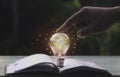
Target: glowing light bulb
{"type": "Point", "coordinates": [60, 43]}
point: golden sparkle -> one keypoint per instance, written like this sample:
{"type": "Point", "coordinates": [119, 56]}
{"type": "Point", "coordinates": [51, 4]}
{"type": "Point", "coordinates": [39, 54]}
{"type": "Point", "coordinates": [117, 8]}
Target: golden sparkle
{"type": "Point", "coordinates": [37, 39]}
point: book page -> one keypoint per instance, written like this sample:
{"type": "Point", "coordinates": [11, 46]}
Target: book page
{"type": "Point", "coordinates": [27, 62]}
{"type": "Point", "coordinates": [71, 63]}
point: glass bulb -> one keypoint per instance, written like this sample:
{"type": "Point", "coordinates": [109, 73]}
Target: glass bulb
{"type": "Point", "coordinates": [59, 43]}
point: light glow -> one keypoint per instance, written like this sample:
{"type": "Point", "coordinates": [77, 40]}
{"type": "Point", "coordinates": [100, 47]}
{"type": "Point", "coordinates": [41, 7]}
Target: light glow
{"type": "Point", "coordinates": [59, 44]}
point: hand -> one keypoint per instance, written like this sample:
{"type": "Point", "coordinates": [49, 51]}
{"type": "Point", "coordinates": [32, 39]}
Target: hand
{"type": "Point", "coordinates": [91, 20]}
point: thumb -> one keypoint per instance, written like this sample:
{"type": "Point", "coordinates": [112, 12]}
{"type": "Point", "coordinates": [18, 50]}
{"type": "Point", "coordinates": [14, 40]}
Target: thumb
{"type": "Point", "coordinates": [88, 30]}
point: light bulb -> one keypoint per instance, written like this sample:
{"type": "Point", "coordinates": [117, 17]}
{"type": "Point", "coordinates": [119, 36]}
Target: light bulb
{"type": "Point", "coordinates": [60, 43]}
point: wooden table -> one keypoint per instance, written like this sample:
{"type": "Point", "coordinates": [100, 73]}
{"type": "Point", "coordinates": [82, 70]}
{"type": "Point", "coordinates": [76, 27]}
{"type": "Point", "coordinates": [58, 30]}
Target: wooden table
{"type": "Point", "coordinates": [111, 63]}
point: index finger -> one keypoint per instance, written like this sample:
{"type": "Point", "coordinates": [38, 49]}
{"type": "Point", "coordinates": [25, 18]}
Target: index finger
{"type": "Point", "coordinates": [63, 28]}
{"type": "Point", "coordinates": [72, 21]}
{"type": "Point", "coordinates": [68, 23]}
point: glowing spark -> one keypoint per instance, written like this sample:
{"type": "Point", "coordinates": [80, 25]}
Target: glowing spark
{"type": "Point", "coordinates": [42, 42]}
{"type": "Point", "coordinates": [74, 43]}
{"type": "Point", "coordinates": [37, 39]}
{"type": "Point", "coordinates": [45, 38]}
{"type": "Point", "coordinates": [50, 52]}
{"type": "Point", "coordinates": [46, 33]}
{"type": "Point", "coordinates": [74, 47]}
{"type": "Point", "coordinates": [39, 35]}
{"type": "Point", "coordinates": [46, 48]}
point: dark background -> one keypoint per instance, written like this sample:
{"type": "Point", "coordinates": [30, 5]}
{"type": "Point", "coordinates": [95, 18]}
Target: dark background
{"type": "Point", "coordinates": [27, 25]}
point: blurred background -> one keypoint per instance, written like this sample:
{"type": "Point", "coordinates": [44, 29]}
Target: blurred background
{"type": "Point", "coordinates": [27, 25]}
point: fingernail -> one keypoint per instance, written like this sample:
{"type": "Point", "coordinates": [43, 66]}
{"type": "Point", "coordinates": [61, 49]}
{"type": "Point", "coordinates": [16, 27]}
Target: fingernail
{"type": "Point", "coordinates": [58, 30]}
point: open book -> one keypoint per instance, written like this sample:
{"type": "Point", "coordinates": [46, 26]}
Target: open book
{"type": "Point", "coordinates": [39, 64]}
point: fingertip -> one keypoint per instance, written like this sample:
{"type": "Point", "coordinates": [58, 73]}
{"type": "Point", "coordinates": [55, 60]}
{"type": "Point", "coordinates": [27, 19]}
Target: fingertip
{"type": "Point", "coordinates": [59, 30]}
{"type": "Point", "coordinates": [63, 28]}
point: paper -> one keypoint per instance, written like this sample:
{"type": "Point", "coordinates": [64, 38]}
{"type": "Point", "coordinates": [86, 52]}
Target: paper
{"type": "Point", "coordinates": [27, 62]}
{"type": "Point", "coordinates": [71, 63]}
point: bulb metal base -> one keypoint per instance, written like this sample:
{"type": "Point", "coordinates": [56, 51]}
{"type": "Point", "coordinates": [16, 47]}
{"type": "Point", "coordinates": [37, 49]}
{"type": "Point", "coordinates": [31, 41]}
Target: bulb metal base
{"type": "Point", "coordinates": [60, 62]}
